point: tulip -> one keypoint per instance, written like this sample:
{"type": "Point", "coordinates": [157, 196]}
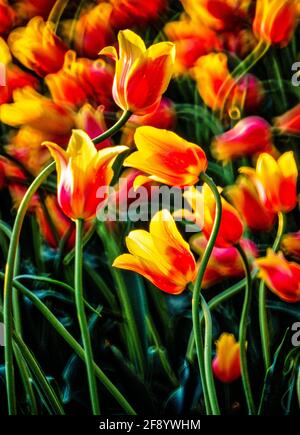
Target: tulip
{"type": "Point", "coordinates": [250, 136]}
{"type": "Point", "coordinates": [245, 198]}
{"type": "Point", "coordinates": [81, 171]}
{"type": "Point", "coordinates": [160, 255]}
{"type": "Point", "coordinates": [276, 181]}
{"type": "Point", "coordinates": [128, 13]}
{"type": "Point", "coordinates": [226, 364]}
{"type": "Point", "coordinates": [142, 75]}
{"type": "Point", "coordinates": [275, 21]}
{"type": "Point", "coordinates": [37, 47]}
{"type": "Point", "coordinates": [93, 123]}
{"type": "Point", "coordinates": [27, 9]}
{"type": "Point", "coordinates": [192, 40]}
{"type": "Point", "coordinates": [289, 122]}
{"type": "Point", "coordinates": [290, 245]}
{"type": "Point", "coordinates": [231, 228]}
{"type": "Point", "coordinates": [224, 262]}
{"type": "Point", "coordinates": [38, 112]}
{"type": "Point", "coordinates": [92, 30]}
{"type": "Point", "coordinates": [281, 276]}
{"type": "Point", "coordinates": [166, 157]}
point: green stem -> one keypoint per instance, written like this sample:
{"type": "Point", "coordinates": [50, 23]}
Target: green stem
{"type": "Point", "coordinates": [197, 287]}
{"type": "Point", "coordinates": [243, 333]}
{"type": "Point", "coordinates": [73, 344]}
{"type": "Point", "coordinates": [114, 129]}
{"type": "Point", "coordinates": [11, 262]}
{"type": "Point", "coordinates": [208, 359]}
{"type": "Point", "coordinates": [263, 315]}
{"type": "Point", "coordinates": [83, 324]}
{"type": "Point", "coordinates": [243, 67]}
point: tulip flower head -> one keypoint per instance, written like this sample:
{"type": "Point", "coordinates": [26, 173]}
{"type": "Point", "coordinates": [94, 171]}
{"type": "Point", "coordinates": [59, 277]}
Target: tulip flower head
{"type": "Point", "coordinates": [226, 364]}
{"type": "Point", "coordinates": [142, 75]}
{"type": "Point", "coordinates": [81, 171]}
{"type": "Point", "coordinates": [166, 157]}
{"type": "Point", "coordinates": [289, 122]}
{"type": "Point", "coordinates": [290, 245]}
{"type": "Point", "coordinates": [281, 276]}
{"type": "Point", "coordinates": [276, 181]}
{"type": "Point", "coordinates": [275, 21]}
{"type": "Point", "coordinates": [251, 135]}
{"type": "Point", "coordinates": [160, 255]}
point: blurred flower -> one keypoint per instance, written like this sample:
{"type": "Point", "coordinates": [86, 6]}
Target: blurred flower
{"type": "Point", "coordinates": [81, 171]}
{"type": "Point", "coordinates": [37, 47]}
{"type": "Point", "coordinates": [281, 276]}
{"type": "Point", "coordinates": [289, 122]}
{"type": "Point", "coordinates": [231, 228]}
{"type": "Point", "coordinates": [54, 224]}
{"type": "Point", "coordinates": [15, 77]}
{"type": "Point", "coordinates": [275, 21]}
{"type": "Point", "coordinates": [167, 157]}
{"type": "Point", "coordinates": [93, 123]}
{"type": "Point", "coordinates": [238, 42]}
{"type": "Point", "coordinates": [290, 245]}
{"type": "Point", "coordinates": [82, 80]}
{"type": "Point", "coordinates": [38, 112]}
{"type": "Point", "coordinates": [27, 9]}
{"type": "Point", "coordinates": [160, 255]}
{"type": "Point", "coordinates": [7, 16]}
{"type": "Point", "coordinates": [250, 136]}
{"type": "Point", "coordinates": [276, 181]}
{"type": "Point", "coordinates": [163, 117]}
{"type": "Point", "coordinates": [142, 75]}
{"type": "Point", "coordinates": [245, 198]}
{"type": "Point", "coordinates": [226, 364]}
{"type": "Point", "coordinates": [191, 40]}
{"type": "Point", "coordinates": [92, 30]}
{"type": "Point", "coordinates": [224, 262]}
{"type": "Point", "coordinates": [127, 13]}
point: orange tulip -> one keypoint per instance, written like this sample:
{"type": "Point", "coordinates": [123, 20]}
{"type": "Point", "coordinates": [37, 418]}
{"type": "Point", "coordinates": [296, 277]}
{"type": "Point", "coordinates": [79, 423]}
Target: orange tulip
{"type": "Point", "coordinates": [289, 122]}
{"type": "Point", "coordinates": [226, 364]}
{"type": "Point", "coordinates": [38, 112]}
{"type": "Point", "coordinates": [27, 9]}
{"type": "Point", "coordinates": [231, 228]}
{"type": "Point", "coordinates": [191, 40]}
{"type": "Point", "coordinates": [275, 21]}
{"type": "Point", "coordinates": [166, 157]}
{"type": "Point", "coordinates": [37, 47]}
{"type": "Point", "coordinates": [92, 30]}
{"type": "Point", "coordinates": [245, 198]}
{"type": "Point", "coordinates": [224, 262]}
{"type": "Point", "coordinates": [276, 181]}
{"type": "Point", "coordinates": [142, 75]}
{"type": "Point", "coordinates": [250, 136]}
{"type": "Point", "coordinates": [81, 171]}
{"type": "Point", "coordinates": [160, 255]}
{"type": "Point", "coordinates": [281, 276]}
{"type": "Point", "coordinates": [291, 245]}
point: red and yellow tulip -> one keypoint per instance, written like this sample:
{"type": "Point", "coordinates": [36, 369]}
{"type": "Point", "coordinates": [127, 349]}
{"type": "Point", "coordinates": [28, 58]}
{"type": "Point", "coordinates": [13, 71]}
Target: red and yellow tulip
{"type": "Point", "coordinates": [160, 255]}
{"type": "Point", "coordinates": [276, 181]}
{"type": "Point", "coordinates": [245, 198]}
{"type": "Point", "coordinates": [166, 157]}
{"type": "Point", "coordinates": [81, 171]}
{"type": "Point", "coordinates": [226, 364]}
{"type": "Point", "coordinates": [281, 276]}
{"type": "Point", "coordinates": [290, 245]}
{"type": "Point", "coordinates": [275, 21]}
{"type": "Point", "coordinates": [142, 75]}
{"type": "Point", "coordinates": [289, 122]}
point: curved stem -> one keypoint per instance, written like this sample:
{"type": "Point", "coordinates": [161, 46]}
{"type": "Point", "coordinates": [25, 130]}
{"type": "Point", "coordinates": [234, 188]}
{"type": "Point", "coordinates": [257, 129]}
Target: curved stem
{"type": "Point", "coordinates": [114, 129]}
{"type": "Point", "coordinates": [243, 333]}
{"type": "Point", "coordinates": [208, 359]}
{"type": "Point", "coordinates": [258, 52]}
{"type": "Point", "coordinates": [263, 317]}
{"type": "Point", "coordinates": [197, 287]}
{"type": "Point", "coordinates": [11, 264]}
{"type": "Point", "coordinates": [83, 324]}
